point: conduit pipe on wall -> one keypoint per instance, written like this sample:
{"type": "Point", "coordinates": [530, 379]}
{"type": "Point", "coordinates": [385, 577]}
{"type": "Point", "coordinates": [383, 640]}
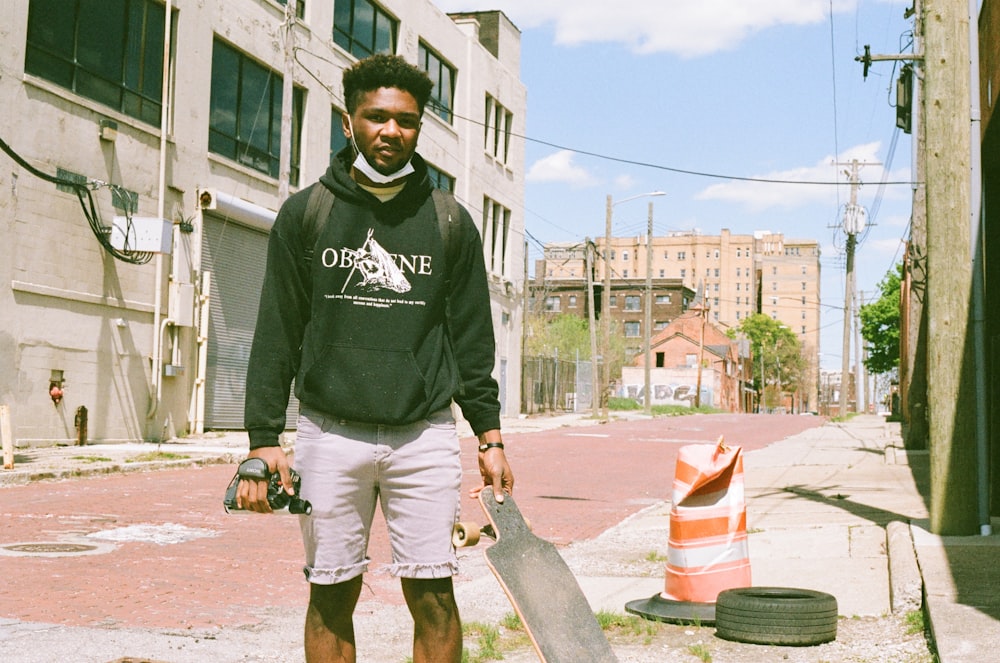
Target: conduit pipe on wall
{"type": "Point", "coordinates": [158, 326]}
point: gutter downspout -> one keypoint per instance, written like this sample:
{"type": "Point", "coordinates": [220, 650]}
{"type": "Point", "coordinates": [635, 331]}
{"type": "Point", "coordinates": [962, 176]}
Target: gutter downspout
{"type": "Point", "coordinates": [978, 278]}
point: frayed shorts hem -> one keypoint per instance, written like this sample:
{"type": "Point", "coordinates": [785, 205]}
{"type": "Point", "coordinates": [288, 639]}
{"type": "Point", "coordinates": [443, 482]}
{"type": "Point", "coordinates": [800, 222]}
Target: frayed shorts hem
{"type": "Point", "coordinates": [424, 571]}
{"type": "Point", "coordinates": [334, 576]}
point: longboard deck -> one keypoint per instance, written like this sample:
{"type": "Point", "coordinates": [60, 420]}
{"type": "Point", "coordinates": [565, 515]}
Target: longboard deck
{"type": "Point", "coordinates": [542, 589]}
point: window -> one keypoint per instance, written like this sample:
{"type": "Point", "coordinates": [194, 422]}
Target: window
{"type": "Point", "coordinates": [737, 287]}
{"type": "Point", "coordinates": [684, 273]}
{"type": "Point", "coordinates": [110, 51]}
{"type": "Point", "coordinates": [716, 272]}
{"type": "Point", "coordinates": [803, 285]}
{"type": "Point", "coordinates": [443, 76]}
{"type": "Point", "coordinates": [497, 125]}
{"type": "Point", "coordinates": [632, 329]}
{"type": "Point", "coordinates": [245, 118]}
{"type": "Point", "coordinates": [682, 255]}
{"type": "Point", "coordinates": [362, 28]}
{"type": "Point", "coordinates": [663, 299]}
{"type": "Point", "coordinates": [613, 300]}
{"type": "Point", "coordinates": [803, 269]}
{"type": "Point", "coordinates": [691, 359]}
{"type": "Point", "coordinates": [738, 274]}
{"type": "Point", "coordinates": [338, 140]}
{"type": "Point", "coordinates": [625, 256]}
{"type": "Point", "coordinates": [572, 301]}
{"type": "Point", "coordinates": [717, 254]}
{"type": "Point", "coordinates": [632, 303]}
{"type": "Point", "coordinates": [774, 271]}
{"type": "Point", "coordinates": [666, 255]}
{"type": "Point", "coordinates": [300, 7]}
{"type": "Point", "coordinates": [495, 233]}
{"type": "Point", "coordinates": [663, 273]}
{"type": "Point", "coordinates": [553, 303]}
{"type": "Point", "coordinates": [440, 179]}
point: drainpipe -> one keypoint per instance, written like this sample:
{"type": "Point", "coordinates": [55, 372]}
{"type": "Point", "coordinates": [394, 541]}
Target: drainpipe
{"type": "Point", "coordinates": [978, 286]}
{"type": "Point", "coordinates": [158, 323]}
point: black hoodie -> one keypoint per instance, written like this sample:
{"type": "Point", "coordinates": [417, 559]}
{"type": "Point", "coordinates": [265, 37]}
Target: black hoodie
{"type": "Point", "coordinates": [363, 328]}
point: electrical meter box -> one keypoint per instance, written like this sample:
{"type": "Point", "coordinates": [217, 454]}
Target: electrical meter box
{"type": "Point", "coordinates": [147, 234]}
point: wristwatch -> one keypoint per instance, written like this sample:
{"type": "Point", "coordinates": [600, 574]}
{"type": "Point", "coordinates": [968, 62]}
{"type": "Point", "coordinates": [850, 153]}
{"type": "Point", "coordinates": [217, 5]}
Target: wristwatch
{"type": "Point", "coordinates": [490, 445]}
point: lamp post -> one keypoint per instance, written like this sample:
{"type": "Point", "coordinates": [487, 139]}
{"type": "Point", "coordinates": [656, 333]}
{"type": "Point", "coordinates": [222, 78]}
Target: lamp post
{"type": "Point", "coordinates": [606, 295]}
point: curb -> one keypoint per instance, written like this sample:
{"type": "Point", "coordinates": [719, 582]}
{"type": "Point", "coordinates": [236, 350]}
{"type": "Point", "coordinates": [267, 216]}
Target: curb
{"type": "Point", "coordinates": [906, 584]}
{"type": "Point", "coordinates": [20, 477]}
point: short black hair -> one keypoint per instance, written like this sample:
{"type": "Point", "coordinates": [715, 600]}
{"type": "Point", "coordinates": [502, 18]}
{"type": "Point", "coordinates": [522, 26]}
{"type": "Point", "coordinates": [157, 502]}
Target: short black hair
{"type": "Point", "coordinates": [383, 70]}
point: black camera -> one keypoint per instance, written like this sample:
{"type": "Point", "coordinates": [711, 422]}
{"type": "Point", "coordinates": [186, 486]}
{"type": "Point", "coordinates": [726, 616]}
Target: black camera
{"type": "Point", "coordinates": [256, 469]}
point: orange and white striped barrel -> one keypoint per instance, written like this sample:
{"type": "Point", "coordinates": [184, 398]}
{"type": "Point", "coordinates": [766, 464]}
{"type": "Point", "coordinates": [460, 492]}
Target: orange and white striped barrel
{"type": "Point", "coordinates": [707, 546]}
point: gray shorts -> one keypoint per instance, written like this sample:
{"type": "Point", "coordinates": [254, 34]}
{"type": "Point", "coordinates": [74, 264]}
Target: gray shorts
{"type": "Point", "coordinates": [413, 471]}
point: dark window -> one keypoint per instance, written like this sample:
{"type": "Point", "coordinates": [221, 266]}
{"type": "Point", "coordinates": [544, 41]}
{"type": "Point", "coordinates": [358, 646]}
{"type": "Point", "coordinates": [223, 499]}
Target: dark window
{"type": "Point", "coordinates": [443, 77]}
{"type": "Point", "coordinates": [338, 140]}
{"type": "Point", "coordinates": [300, 7]}
{"type": "Point", "coordinates": [245, 120]}
{"type": "Point", "coordinates": [110, 51]}
{"type": "Point", "coordinates": [632, 303]}
{"type": "Point", "coordinates": [362, 28]}
{"type": "Point", "coordinates": [440, 179]}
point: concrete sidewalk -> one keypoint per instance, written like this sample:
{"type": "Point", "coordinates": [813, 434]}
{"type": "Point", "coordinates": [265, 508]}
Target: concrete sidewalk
{"type": "Point", "coordinates": [840, 508]}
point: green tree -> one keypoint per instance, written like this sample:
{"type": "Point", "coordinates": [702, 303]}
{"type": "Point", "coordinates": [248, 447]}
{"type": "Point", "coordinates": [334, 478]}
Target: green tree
{"type": "Point", "coordinates": [565, 335]}
{"type": "Point", "coordinates": [880, 325]}
{"type": "Point", "coordinates": [778, 365]}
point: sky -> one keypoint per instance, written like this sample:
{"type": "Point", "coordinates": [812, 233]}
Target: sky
{"type": "Point", "coordinates": [683, 96]}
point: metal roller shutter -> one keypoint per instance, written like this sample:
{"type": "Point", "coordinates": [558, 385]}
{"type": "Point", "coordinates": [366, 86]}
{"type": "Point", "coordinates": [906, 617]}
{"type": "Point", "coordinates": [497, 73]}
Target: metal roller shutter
{"type": "Point", "coordinates": [235, 254]}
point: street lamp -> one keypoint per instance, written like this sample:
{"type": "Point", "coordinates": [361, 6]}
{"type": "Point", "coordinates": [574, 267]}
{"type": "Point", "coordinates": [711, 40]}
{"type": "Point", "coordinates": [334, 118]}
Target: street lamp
{"type": "Point", "coordinates": [606, 295]}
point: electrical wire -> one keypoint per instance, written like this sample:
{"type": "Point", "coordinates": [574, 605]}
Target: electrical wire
{"type": "Point", "coordinates": [84, 193]}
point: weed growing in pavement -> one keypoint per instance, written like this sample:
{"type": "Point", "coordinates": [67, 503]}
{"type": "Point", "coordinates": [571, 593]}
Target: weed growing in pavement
{"type": "Point", "coordinates": [653, 556]}
{"type": "Point", "coordinates": [914, 622]}
{"type": "Point", "coordinates": [490, 643]}
{"type": "Point", "coordinates": [512, 622]}
{"type": "Point", "coordinates": [156, 455]}
{"type": "Point", "coordinates": [701, 652]}
{"type": "Point", "coordinates": [91, 459]}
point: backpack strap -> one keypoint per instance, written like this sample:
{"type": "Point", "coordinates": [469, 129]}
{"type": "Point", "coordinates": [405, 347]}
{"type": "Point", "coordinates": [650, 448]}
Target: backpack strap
{"type": "Point", "coordinates": [446, 208]}
{"type": "Point", "coordinates": [318, 208]}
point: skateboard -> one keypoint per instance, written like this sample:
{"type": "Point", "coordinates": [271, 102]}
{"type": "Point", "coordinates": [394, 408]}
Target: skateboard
{"type": "Point", "coordinates": [542, 589]}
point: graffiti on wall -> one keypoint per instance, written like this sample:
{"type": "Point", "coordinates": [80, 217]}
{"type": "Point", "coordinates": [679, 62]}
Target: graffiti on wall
{"type": "Point", "coordinates": [668, 394]}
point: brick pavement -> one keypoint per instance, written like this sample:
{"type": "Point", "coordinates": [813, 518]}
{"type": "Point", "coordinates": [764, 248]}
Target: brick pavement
{"type": "Point", "coordinates": [167, 556]}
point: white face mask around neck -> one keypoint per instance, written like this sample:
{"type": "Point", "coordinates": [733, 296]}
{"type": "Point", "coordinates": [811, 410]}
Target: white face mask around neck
{"type": "Point", "coordinates": [361, 163]}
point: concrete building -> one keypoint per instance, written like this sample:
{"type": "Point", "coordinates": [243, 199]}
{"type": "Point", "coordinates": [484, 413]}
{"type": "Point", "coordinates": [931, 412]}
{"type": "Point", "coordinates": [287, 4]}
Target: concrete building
{"type": "Point", "coordinates": [741, 275]}
{"type": "Point", "coordinates": [136, 312]}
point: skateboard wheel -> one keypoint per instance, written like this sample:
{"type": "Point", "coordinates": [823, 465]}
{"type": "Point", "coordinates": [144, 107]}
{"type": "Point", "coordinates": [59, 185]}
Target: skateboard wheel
{"type": "Point", "coordinates": [465, 535]}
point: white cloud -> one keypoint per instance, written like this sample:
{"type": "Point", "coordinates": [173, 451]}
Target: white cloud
{"type": "Point", "coordinates": [784, 189]}
{"type": "Point", "coordinates": [688, 28]}
{"type": "Point", "coordinates": [559, 167]}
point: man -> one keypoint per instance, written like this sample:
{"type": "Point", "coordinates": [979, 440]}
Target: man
{"type": "Point", "coordinates": [381, 329]}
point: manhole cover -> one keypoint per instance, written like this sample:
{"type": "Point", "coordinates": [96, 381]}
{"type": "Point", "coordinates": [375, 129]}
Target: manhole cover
{"type": "Point", "coordinates": [53, 549]}
{"type": "Point", "coordinates": [42, 548]}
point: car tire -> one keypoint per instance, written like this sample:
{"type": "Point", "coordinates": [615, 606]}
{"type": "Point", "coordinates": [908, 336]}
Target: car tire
{"type": "Point", "coordinates": [776, 616]}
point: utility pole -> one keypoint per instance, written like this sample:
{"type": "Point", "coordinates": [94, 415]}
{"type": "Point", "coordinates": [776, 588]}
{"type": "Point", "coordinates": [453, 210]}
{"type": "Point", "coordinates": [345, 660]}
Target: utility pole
{"type": "Point", "coordinates": [703, 313]}
{"type": "Point", "coordinates": [854, 220]}
{"type": "Point", "coordinates": [647, 323]}
{"type": "Point", "coordinates": [606, 311]}
{"type": "Point", "coordinates": [950, 364]}
{"type": "Point", "coordinates": [859, 354]}
{"type": "Point", "coordinates": [595, 401]}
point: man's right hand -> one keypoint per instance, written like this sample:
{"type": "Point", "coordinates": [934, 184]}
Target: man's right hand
{"type": "Point", "coordinates": [251, 494]}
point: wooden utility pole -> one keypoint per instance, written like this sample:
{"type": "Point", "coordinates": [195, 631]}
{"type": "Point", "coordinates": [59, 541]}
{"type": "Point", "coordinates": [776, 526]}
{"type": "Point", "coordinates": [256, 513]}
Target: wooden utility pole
{"type": "Point", "coordinates": [950, 369]}
{"type": "Point", "coordinates": [851, 228]}
{"type": "Point", "coordinates": [606, 311]}
{"type": "Point", "coordinates": [595, 401]}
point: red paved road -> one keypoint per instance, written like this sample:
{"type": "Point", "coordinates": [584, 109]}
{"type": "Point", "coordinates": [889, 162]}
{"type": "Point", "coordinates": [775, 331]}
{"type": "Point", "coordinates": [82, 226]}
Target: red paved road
{"type": "Point", "coordinates": [573, 483]}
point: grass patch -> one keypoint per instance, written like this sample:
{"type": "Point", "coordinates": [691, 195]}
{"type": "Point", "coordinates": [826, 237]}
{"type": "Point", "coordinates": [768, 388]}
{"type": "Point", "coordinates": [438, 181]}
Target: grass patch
{"type": "Point", "coordinates": [156, 455]}
{"type": "Point", "coordinates": [653, 556]}
{"type": "Point", "coordinates": [701, 652]}
{"type": "Point", "coordinates": [914, 622]}
{"type": "Point", "coordinates": [91, 459]}
{"type": "Point", "coordinates": [630, 404]}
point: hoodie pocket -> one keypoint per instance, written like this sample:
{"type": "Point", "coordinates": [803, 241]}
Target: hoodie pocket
{"type": "Point", "coordinates": [374, 385]}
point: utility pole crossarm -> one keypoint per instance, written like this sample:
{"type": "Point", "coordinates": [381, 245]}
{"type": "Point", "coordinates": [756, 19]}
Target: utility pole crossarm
{"type": "Point", "coordinates": [868, 58]}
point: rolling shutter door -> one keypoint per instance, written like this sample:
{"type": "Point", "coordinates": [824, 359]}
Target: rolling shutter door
{"type": "Point", "coordinates": [235, 254]}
